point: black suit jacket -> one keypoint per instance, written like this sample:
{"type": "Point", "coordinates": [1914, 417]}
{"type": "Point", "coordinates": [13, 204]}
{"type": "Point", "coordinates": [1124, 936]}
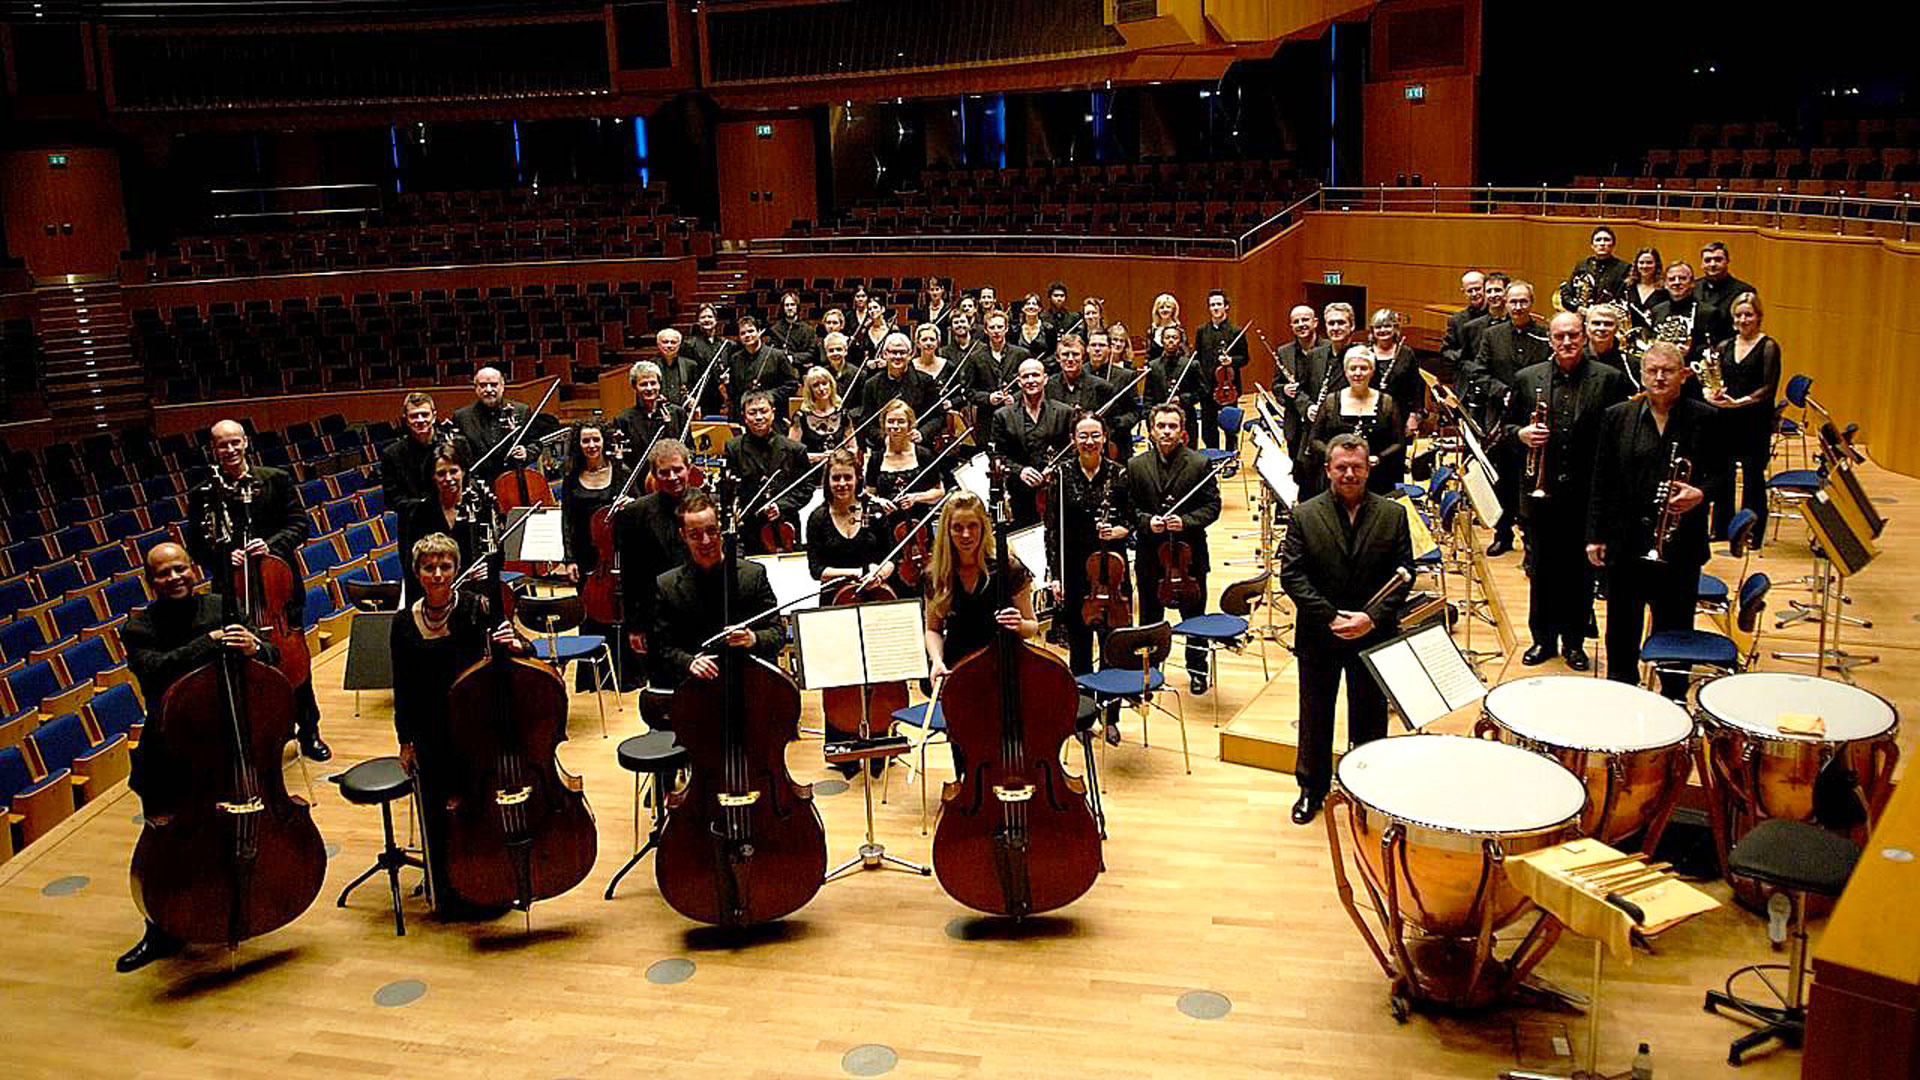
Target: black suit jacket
{"type": "Point", "coordinates": [482, 428]}
{"type": "Point", "coordinates": [1631, 461]}
{"type": "Point", "coordinates": [1328, 565]}
{"type": "Point", "coordinates": [1453, 349]}
{"type": "Point", "coordinates": [689, 611]}
{"type": "Point", "coordinates": [1025, 440]}
{"type": "Point", "coordinates": [647, 534]}
{"type": "Point", "coordinates": [166, 641]}
{"type": "Point", "coordinates": [1152, 483]}
{"type": "Point", "coordinates": [406, 475]}
{"type": "Point", "coordinates": [1504, 352]}
{"type": "Point", "coordinates": [275, 516]}
{"type": "Point", "coordinates": [1576, 399]}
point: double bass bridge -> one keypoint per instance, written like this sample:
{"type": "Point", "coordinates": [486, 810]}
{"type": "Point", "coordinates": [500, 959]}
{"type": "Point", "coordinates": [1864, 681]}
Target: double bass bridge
{"type": "Point", "coordinates": [512, 798]}
{"type": "Point", "coordinates": [732, 802]}
{"type": "Point", "coordinates": [251, 806]}
{"type": "Point", "coordinates": [1013, 793]}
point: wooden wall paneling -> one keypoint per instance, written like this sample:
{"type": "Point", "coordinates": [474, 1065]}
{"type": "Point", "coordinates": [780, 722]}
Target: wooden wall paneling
{"type": "Point", "coordinates": [85, 194]}
{"type": "Point", "coordinates": [358, 406]}
{"type": "Point", "coordinates": [780, 165]}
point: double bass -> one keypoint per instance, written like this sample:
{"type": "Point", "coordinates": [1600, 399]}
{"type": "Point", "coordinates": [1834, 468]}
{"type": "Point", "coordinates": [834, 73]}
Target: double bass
{"type": "Point", "coordinates": [235, 856]}
{"type": "Point", "coordinates": [1016, 836]}
{"type": "Point", "coordinates": [743, 843]}
{"type": "Point", "coordinates": [265, 587]}
{"type": "Point", "coordinates": [518, 825]}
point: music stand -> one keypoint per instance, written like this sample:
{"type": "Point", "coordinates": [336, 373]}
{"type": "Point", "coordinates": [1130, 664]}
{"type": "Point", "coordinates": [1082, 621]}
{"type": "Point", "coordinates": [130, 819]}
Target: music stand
{"type": "Point", "coordinates": [858, 645]}
{"type": "Point", "coordinates": [1846, 548]}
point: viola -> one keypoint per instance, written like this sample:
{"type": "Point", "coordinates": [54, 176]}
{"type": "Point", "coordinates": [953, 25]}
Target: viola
{"type": "Point", "coordinates": [743, 843]}
{"type": "Point", "coordinates": [266, 587]}
{"type": "Point", "coordinates": [1107, 603]}
{"type": "Point", "coordinates": [778, 537]}
{"type": "Point", "coordinates": [237, 856]}
{"type": "Point", "coordinates": [518, 827]}
{"type": "Point", "coordinates": [1225, 391]}
{"type": "Point", "coordinates": [600, 589]}
{"type": "Point", "coordinates": [1016, 836]}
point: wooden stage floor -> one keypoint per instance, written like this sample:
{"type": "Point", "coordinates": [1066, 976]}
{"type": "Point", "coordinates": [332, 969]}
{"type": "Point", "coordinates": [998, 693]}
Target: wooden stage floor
{"type": "Point", "coordinates": [1207, 888]}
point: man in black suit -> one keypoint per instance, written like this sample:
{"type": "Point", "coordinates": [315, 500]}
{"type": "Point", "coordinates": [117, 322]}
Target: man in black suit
{"type": "Point", "coordinates": [260, 503]}
{"type": "Point", "coordinates": [677, 370]}
{"type": "Point", "coordinates": [1077, 387]}
{"type": "Point", "coordinates": [646, 533]}
{"type": "Point", "coordinates": [1608, 274]}
{"type": "Point", "coordinates": [1494, 292]}
{"type": "Point", "coordinates": [756, 365]}
{"type": "Point", "coordinates": [485, 424]}
{"type": "Point", "coordinates": [177, 634]}
{"type": "Point", "coordinates": [1636, 443]}
{"type": "Point", "coordinates": [406, 464]}
{"type": "Point", "coordinates": [1473, 285]}
{"type": "Point", "coordinates": [1683, 303]}
{"type": "Point", "coordinates": [1157, 477]}
{"type": "Point", "coordinates": [1028, 431]}
{"type": "Point", "coordinates": [1219, 344]}
{"type": "Point", "coordinates": [1716, 291]}
{"type": "Point", "coordinates": [1505, 349]}
{"type": "Point", "coordinates": [793, 335]}
{"type": "Point", "coordinates": [1575, 391]}
{"type": "Point", "coordinates": [899, 379]}
{"type": "Point", "coordinates": [1002, 357]}
{"type": "Point", "coordinates": [1303, 359]}
{"type": "Point", "coordinates": [692, 607]}
{"type": "Point", "coordinates": [769, 466]}
{"type": "Point", "coordinates": [1343, 545]}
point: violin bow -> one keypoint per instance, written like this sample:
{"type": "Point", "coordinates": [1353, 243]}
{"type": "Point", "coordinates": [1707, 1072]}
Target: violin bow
{"type": "Point", "coordinates": [514, 438]}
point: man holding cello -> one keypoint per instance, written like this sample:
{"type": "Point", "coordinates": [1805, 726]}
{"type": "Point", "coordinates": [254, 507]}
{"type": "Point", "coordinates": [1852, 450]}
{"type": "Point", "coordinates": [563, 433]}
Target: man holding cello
{"type": "Point", "coordinates": [178, 633]}
{"type": "Point", "coordinates": [260, 501]}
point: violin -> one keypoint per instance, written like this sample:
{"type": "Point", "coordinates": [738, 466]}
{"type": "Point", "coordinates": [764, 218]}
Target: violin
{"type": "Point", "coordinates": [1016, 836]}
{"type": "Point", "coordinates": [916, 548]}
{"type": "Point", "coordinates": [1107, 603]}
{"type": "Point", "coordinates": [778, 537]}
{"type": "Point", "coordinates": [1225, 391]}
{"type": "Point", "coordinates": [743, 843]}
{"type": "Point", "coordinates": [266, 587]}
{"type": "Point", "coordinates": [237, 856]}
{"type": "Point", "coordinates": [1178, 586]}
{"type": "Point", "coordinates": [518, 827]}
{"type": "Point", "coordinates": [600, 589]}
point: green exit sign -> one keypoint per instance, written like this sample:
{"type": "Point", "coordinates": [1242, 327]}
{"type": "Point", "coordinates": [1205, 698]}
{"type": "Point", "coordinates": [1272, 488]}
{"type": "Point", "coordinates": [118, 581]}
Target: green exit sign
{"type": "Point", "coordinates": [56, 161]}
{"type": "Point", "coordinates": [1330, 277]}
{"type": "Point", "coordinates": [1416, 92]}
{"type": "Point", "coordinates": [764, 131]}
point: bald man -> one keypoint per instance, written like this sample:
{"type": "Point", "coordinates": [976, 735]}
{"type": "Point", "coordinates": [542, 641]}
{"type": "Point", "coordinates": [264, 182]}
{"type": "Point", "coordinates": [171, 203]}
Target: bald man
{"type": "Point", "coordinates": [484, 424]}
{"type": "Point", "coordinates": [1306, 361]}
{"type": "Point", "coordinates": [256, 503]}
{"type": "Point", "coordinates": [177, 634]}
{"type": "Point", "coordinates": [1028, 432]}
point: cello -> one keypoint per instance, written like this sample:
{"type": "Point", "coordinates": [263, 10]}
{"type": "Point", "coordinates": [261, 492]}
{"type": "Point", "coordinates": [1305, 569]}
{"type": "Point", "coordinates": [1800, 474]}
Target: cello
{"type": "Point", "coordinates": [600, 591]}
{"type": "Point", "coordinates": [265, 587]}
{"type": "Point", "coordinates": [743, 843]}
{"type": "Point", "coordinates": [235, 856]}
{"type": "Point", "coordinates": [1016, 836]}
{"type": "Point", "coordinates": [518, 825]}
{"type": "Point", "coordinates": [524, 485]}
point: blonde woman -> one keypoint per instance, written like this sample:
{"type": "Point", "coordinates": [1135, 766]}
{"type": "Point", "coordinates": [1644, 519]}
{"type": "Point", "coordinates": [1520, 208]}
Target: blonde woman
{"type": "Point", "coordinates": [961, 616]}
{"type": "Point", "coordinates": [1164, 314]}
{"type": "Point", "coordinates": [821, 422]}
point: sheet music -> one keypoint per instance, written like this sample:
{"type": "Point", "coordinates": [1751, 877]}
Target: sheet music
{"type": "Point", "coordinates": [1480, 495]}
{"type": "Point", "coordinates": [894, 637]}
{"type": "Point", "coordinates": [857, 644]}
{"type": "Point", "coordinates": [972, 475]}
{"type": "Point", "coordinates": [1413, 693]}
{"type": "Point", "coordinates": [790, 578]}
{"type": "Point", "coordinates": [1479, 455]}
{"type": "Point", "coordinates": [1423, 542]}
{"type": "Point", "coordinates": [1452, 676]}
{"type": "Point", "coordinates": [544, 539]}
{"type": "Point", "coordinates": [829, 653]}
{"type": "Point", "coordinates": [1029, 545]}
{"type": "Point", "coordinates": [1270, 460]}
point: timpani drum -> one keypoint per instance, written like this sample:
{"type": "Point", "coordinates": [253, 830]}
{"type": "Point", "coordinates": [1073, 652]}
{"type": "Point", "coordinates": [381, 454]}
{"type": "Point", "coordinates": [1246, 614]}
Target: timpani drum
{"type": "Point", "coordinates": [1432, 819]}
{"type": "Point", "coordinates": [1754, 770]}
{"type": "Point", "coordinates": [1628, 744]}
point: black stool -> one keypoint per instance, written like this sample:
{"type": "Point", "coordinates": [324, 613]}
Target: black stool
{"type": "Point", "coordinates": [378, 782]}
{"type": "Point", "coordinates": [1800, 860]}
{"type": "Point", "coordinates": [660, 758]}
{"type": "Point", "coordinates": [1085, 719]}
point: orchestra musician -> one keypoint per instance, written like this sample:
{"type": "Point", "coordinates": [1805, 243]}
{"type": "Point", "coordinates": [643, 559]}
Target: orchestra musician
{"type": "Point", "coordinates": [1003, 357]}
{"type": "Point", "coordinates": [989, 303]}
{"type": "Point", "coordinates": [1716, 290]}
{"type": "Point", "coordinates": [1171, 366]}
{"type": "Point", "coordinates": [756, 365]}
{"type": "Point", "coordinates": [677, 370]}
{"type": "Point", "coordinates": [175, 635]}
{"type": "Point", "coordinates": [1027, 433]}
{"type": "Point", "coordinates": [870, 339]}
{"type": "Point", "coordinates": [1359, 409]}
{"type": "Point", "coordinates": [1609, 274]}
{"type": "Point", "coordinates": [275, 525]}
{"type": "Point", "coordinates": [897, 475]}
{"type": "Point", "coordinates": [653, 412]}
{"type": "Point", "coordinates": [1505, 349]}
{"type": "Point", "coordinates": [439, 636]}
{"type": "Point", "coordinates": [1750, 373]}
{"type": "Point", "coordinates": [1093, 314]}
{"type": "Point", "coordinates": [927, 357]}
{"type": "Point", "coordinates": [690, 608]}
{"type": "Point", "coordinates": [1494, 292]}
{"type": "Point", "coordinates": [935, 309]}
{"type": "Point", "coordinates": [768, 465]}
{"type": "Point", "coordinates": [1059, 318]}
{"type": "Point", "coordinates": [1339, 321]}
{"type": "Point", "coordinates": [444, 514]}
{"type": "Point", "coordinates": [1304, 358]}
{"type": "Point", "coordinates": [961, 618]}
{"type": "Point", "coordinates": [973, 376]}
{"type": "Point", "coordinates": [1161, 316]}
{"type": "Point", "coordinates": [406, 464]}
{"type": "Point", "coordinates": [1603, 336]}
{"type": "Point", "coordinates": [1159, 475]}
{"type": "Point", "coordinates": [1076, 387]}
{"type": "Point", "coordinates": [1576, 392]}
{"type": "Point", "coordinates": [844, 541]}
{"type": "Point", "coordinates": [1102, 364]}
{"type": "Point", "coordinates": [1646, 287]}
{"type": "Point", "coordinates": [647, 533]}
{"type": "Point", "coordinates": [1397, 371]}
{"type": "Point", "coordinates": [1034, 334]}
{"type": "Point", "coordinates": [1636, 442]}
{"type": "Point", "coordinates": [703, 343]}
{"type": "Point", "coordinates": [900, 381]}
{"type": "Point", "coordinates": [1091, 488]}
{"type": "Point", "coordinates": [833, 355]}
{"type": "Point", "coordinates": [1681, 303]}
{"type": "Point", "coordinates": [1473, 285]}
{"type": "Point", "coordinates": [1218, 343]}
{"type": "Point", "coordinates": [820, 424]}
{"type": "Point", "coordinates": [592, 481]}
{"type": "Point", "coordinates": [492, 419]}
{"type": "Point", "coordinates": [1342, 546]}
{"type": "Point", "coordinates": [793, 335]}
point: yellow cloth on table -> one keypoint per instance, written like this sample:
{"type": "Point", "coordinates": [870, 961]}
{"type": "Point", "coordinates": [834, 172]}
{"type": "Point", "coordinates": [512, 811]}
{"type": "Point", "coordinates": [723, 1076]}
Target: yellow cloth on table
{"type": "Point", "coordinates": [1547, 877]}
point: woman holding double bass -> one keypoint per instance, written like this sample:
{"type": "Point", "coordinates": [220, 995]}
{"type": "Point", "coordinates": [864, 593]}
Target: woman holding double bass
{"type": "Point", "coordinates": [1086, 528]}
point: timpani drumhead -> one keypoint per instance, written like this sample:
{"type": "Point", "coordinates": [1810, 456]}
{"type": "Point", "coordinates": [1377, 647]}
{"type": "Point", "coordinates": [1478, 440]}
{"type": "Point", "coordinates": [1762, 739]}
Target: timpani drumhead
{"type": "Point", "coordinates": [1756, 700]}
{"type": "Point", "coordinates": [1461, 784]}
{"type": "Point", "coordinates": [1587, 714]}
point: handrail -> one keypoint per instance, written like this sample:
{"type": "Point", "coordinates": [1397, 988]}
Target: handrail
{"type": "Point", "coordinates": [1213, 246]}
{"type": "Point", "coordinates": [1657, 202]}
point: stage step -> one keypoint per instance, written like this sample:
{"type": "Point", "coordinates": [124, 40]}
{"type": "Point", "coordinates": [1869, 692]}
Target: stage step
{"type": "Point", "coordinates": [90, 378]}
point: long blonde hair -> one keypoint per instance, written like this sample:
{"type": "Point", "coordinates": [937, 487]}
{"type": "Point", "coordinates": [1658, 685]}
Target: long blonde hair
{"type": "Point", "coordinates": [1153, 314]}
{"type": "Point", "coordinates": [943, 568]}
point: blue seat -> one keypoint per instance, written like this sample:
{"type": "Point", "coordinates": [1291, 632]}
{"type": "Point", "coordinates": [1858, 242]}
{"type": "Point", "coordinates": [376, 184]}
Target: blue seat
{"type": "Point", "coordinates": [338, 514]}
{"type": "Point", "coordinates": [388, 566]}
{"type": "Point", "coordinates": [123, 497]}
{"type": "Point", "coordinates": [64, 744]}
{"type": "Point", "coordinates": [168, 511]}
{"type": "Point", "coordinates": [914, 716]}
{"type": "Point", "coordinates": [1807, 480]}
{"type": "Point", "coordinates": [1690, 648]}
{"type": "Point", "coordinates": [27, 555]}
{"type": "Point", "coordinates": [74, 614]}
{"type": "Point", "coordinates": [374, 500]}
{"type": "Point", "coordinates": [61, 578]}
{"type": "Point", "coordinates": [20, 639]}
{"type": "Point", "coordinates": [119, 526]}
{"type": "Point", "coordinates": [346, 483]}
{"type": "Point", "coordinates": [104, 562]}
{"type": "Point", "coordinates": [1711, 590]}
{"type": "Point", "coordinates": [1121, 682]}
{"type": "Point", "coordinates": [317, 556]}
{"type": "Point", "coordinates": [314, 492]}
{"type": "Point", "coordinates": [86, 661]}
{"type": "Point", "coordinates": [116, 711]}
{"type": "Point", "coordinates": [277, 456]}
{"type": "Point", "coordinates": [360, 539]}
{"type": "Point", "coordinates": [15, 593]}
{"type": "Point", "coordinates": [60, 742]}
{"type": "Point", "coordinates": [320, 604]}
{"type": "Point", "coordinates": [75, 539]}
{"type": "Point", "coordinates": [1132, 662]}
{"type": "Point", "coordinates": [1412, 491]}
{"type": "Point", "coordinates": [38, 686]}
{"type": "Point", "coordinates": [146, 541]}
{"type": "Point", "coordinates": [42, 803]}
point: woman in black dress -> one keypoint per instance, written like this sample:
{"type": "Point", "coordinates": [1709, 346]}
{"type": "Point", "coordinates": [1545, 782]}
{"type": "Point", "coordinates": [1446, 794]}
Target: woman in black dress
{"type": "Point", "coordinates": [820, 424]}
{"type": "Point", "coordinates": [844, 540]}
{"type": "Point", "coordinates": [1371, 414]}
{"type": "Point", "coordinates": [898, 478]}
{"type": "Point", "coordinates": [934, 309]}
{"type": "Point", "coordinates": [961, 614]}
{"type": "Point", "coordinates": [1750, 370]}
{"type": "Point", "coordinates": [1095, 490]}
{"type": "Point", "coordinates": [443, 514]}
{"type": "Point", "coordinates": [592, 481]}
{"type": "Point", "coordinates": [1033, 333]}
{"type": "Point", "coordinates": [434, 639]}
{"type": "Point", "coordinates": [1646, 288]}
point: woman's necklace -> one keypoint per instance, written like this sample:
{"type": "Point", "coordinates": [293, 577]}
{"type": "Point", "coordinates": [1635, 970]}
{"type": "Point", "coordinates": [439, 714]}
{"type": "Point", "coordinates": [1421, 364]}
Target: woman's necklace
{"type": "Point", "coordinates": [436, 619]}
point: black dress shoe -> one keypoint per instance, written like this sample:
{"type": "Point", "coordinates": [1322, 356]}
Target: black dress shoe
{"type": "Point", "coordinates": [156, 945]}
{"type": "Point", "coordinates": [1199, 684]}
{"type": "Point", "coordinates": [1537, 655]}
{"type": "Point", "coordinates": [314, 747]}
{"type": "Point", "coordinates": [1500, 546]}
{"type": "Point", "coordinates": [1306, 808]}
{"type": "Point", "coordinates": [1576, 658]}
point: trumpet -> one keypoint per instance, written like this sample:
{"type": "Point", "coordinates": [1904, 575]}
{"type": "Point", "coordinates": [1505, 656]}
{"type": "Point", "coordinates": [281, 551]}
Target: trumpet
{"type": "Point", "coordinates": [1679, 471]}
{"type": "Point", "coordinates": [1537, 455]}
